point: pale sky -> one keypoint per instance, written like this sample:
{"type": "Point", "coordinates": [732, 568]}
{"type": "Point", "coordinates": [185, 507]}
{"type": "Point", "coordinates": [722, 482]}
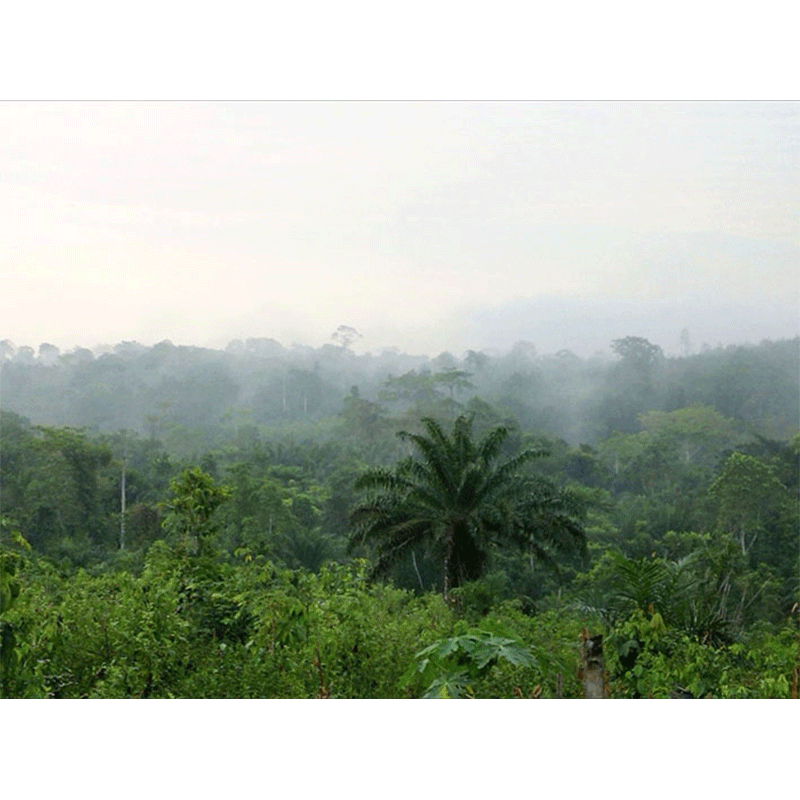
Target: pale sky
{"type": "Point", "coordinates": [410, 221]}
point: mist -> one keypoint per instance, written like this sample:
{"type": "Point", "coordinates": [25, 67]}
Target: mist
{"type": "Point", "coordinates": [426, 226]}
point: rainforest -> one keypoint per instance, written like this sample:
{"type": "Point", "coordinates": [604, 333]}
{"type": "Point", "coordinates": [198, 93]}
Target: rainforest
{"type": "Point", "coordinates": [294, 522]}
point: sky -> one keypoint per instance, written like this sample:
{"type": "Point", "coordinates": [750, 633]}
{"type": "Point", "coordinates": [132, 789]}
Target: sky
{"type": "Point", "coordinates": [427, 226]}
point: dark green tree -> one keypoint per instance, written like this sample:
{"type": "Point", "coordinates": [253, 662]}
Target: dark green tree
{"type": "Point", "coordinates": [633, 383]}
{"type": "Point", "coordinates": [457, 500]}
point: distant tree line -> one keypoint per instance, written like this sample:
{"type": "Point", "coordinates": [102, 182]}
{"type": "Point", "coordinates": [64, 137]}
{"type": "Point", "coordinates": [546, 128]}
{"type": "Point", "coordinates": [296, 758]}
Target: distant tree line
{"type": "Point", "coordinates": [194, 399]}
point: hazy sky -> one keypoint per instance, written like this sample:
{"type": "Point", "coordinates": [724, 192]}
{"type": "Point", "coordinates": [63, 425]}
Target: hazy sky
{"type": "Point", "coordinates": [427, 226]}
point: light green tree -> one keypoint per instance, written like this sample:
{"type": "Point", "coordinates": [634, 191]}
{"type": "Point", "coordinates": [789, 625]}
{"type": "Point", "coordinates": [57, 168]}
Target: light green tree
{"type": "Point", "coordinates": [744, 493]}
{"type": "Point", "coordinates": [698, 432]}
{"type": "Point", "coordinates": [195, 498]}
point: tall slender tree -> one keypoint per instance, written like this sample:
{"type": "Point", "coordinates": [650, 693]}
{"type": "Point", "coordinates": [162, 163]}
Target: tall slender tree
{"type": "Point", "coordinates": [458, 499]}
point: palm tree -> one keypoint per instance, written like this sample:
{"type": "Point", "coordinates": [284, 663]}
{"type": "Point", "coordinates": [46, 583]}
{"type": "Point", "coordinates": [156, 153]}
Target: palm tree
{"type": "Point", "coordinates": [454, 498]}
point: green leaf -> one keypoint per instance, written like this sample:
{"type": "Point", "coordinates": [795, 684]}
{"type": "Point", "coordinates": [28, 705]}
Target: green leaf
{"type": "Point", "coordinates": [448, 686]}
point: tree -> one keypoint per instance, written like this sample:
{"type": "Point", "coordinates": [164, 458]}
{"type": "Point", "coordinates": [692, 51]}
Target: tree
{"type": "Point", "coordinates": [63, 498]}
{"type": "Point", "coordinates": [455, 380]}
{"type": "Point", "coordinates": [637, 352]}
{"type": "Point", "coordinates": [362, 418]}
{"type": "Point", "coordinates": [195, 498]}
{"type": "Point", "coordinates": [48, 354]}
{"type": "Point", "coordinates": [10, 560]}
{"type": "Point", "coordinates": [412, 387]}
{"type": "Point", "coordinates": [632, 383]}
{"type": "Point", "coordinates": [346, 335]}
{"type": "Point", "coordinates": [745, 492]}
{"type": "Point", "coordinates": [699, 432]}
{"type": "Point", "coordinates": [456, 499]}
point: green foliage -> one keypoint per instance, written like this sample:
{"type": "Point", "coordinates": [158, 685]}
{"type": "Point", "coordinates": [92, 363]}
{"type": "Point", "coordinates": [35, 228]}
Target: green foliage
{"type": "Point", "coordinates": [510, 654]}
{"type": "Point", "coordinates": [711, 594]}
{"type": "Point", "coordinates": [746, 493]}
{"type": "Point", "coordinates": [195, 498]}
{"type": "Point", "coordinates": [648, 659]}
{"type": "Point", "coordinates": [12, 650]}
{"type": "Point", "coordinates": [63, 488]}
{"type": "Point", "coordinates": [325, 635]}
{"type": "Point", "coordinates": [455, 500]}
{"type": "Point", "coordinates": [691, 566]}
{"type": "Point", "coordinates": [458, 662]}
{"type": "Point", "coordinates": [251, 629]}
{"type": "Point", "coordinates": [697, 432]}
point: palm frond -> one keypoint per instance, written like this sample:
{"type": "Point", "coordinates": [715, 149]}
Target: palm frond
{"type": "Point", "coordinates": [462, 445]}
{"type": "Point", "coordinates": [491, 445]}
{"type": "Point", "coordinates": [453, 497]}
{"type": "Point", "coordinates": [440, 466]}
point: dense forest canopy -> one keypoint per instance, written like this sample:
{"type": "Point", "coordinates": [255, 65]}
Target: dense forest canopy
{"type": "Point", "coordinates": [180, 521]}
{"type": "Point", "coordinates": [174, 393]}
